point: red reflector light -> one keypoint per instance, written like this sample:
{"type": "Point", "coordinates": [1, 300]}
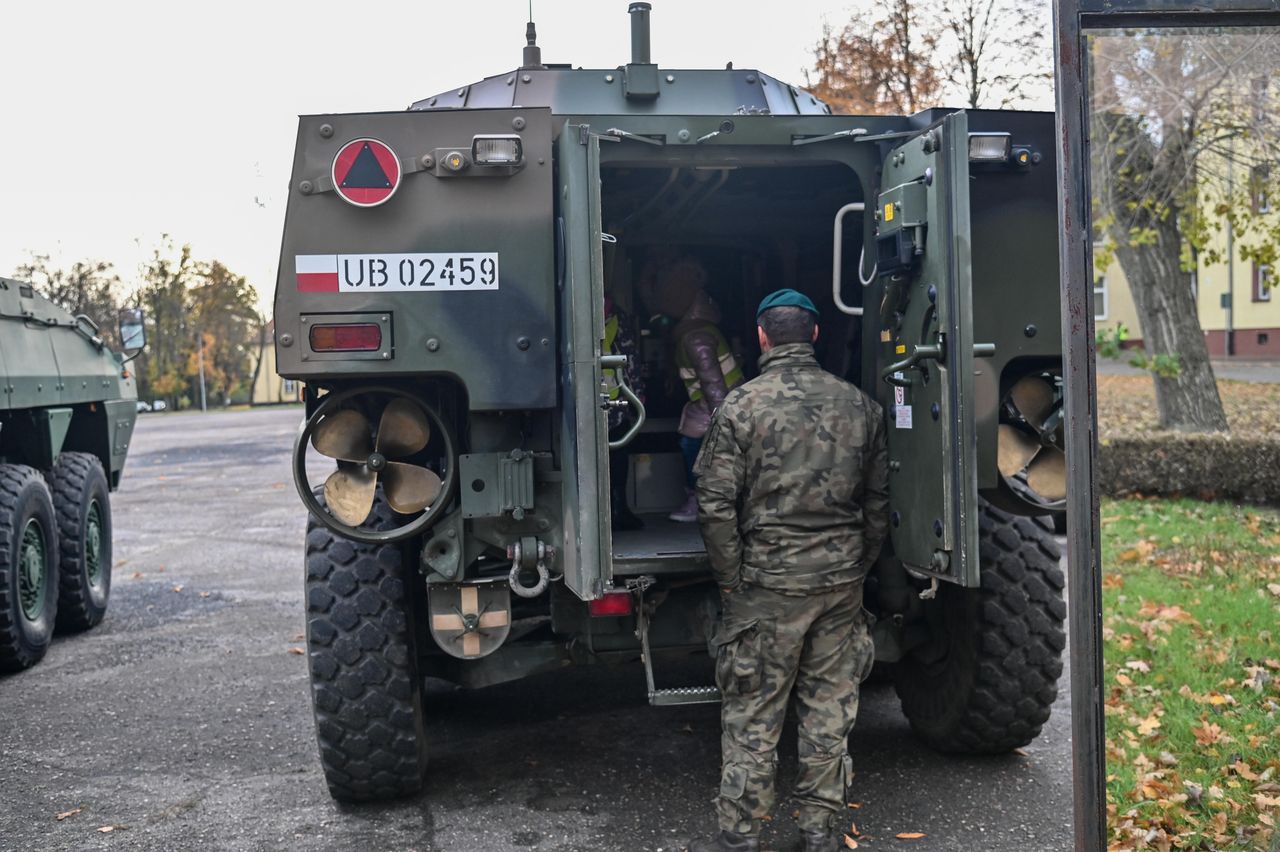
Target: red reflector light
{"type": "Point", "coordinates": [613, 603]}
{"type": "Point", "coordinates": [357, 337]}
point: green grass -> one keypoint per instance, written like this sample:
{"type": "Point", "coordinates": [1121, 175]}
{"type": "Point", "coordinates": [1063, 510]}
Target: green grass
{"type": "Point", "coordinates": [1191, 630]}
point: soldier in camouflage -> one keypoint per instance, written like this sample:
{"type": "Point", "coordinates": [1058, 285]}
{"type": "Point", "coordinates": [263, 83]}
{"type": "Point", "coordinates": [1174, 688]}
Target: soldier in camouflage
{"type": "Point", "coordinates": [793, 503]}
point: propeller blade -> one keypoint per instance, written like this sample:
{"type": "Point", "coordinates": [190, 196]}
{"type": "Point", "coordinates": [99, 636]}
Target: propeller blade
{"type": "Point", "coordinates": [409, 488]}
{"type": "Point", "coordinates": [348, 492]}
{"type": "Point", "coordinates": [1014, 449]}
{"type": "Point", "coordinates": [343, 435]}
{"type": "Point", "coordinates": [1047, 475]}
{"type": "Point", "coordinates": [403, 429]}
{"type": "Point", "coordinates": [1033, 397]}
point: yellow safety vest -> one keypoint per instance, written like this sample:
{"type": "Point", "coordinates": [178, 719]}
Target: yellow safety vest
{"type": "Point", "coordinates": [610, 337]}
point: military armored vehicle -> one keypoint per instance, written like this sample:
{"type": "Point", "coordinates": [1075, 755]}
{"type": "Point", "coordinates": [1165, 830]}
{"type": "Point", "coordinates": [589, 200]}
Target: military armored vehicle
{"type": "Point", "coordinates": [67, 409]}
{"type": "Point", "coordinates": [442, 293]}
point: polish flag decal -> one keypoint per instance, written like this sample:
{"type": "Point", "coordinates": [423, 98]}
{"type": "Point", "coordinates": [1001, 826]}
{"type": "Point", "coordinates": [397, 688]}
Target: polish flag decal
{"type": "Point", "coordinates": [317, 273]}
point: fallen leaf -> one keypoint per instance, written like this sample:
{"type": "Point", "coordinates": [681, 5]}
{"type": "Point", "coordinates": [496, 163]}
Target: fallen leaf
{"type": "Point", "coordinates": [107, 829]}
{"type": "Point", "coordinates": [137, 575]}
{"type": "Point", "coordinates": [850, 843]}
{"type": "Point", "coordinates": [297, 650]}
{"type": "Point", "coordinates": [855, 805]}
{"type": "Point", "coordinates": [1021, 752]}
{"type": "Point", "coordinates": [204, 594]}
{"type": "Point", "coordinates": [1245, 771]}
{"type": "Point", "coordinates": [177, 588]}
{"type": "Point", "coordinates": [1138, 666]}
{"type": "Point", "coordinates": [909, 835]}
{"type": "Point", "coordinates": [1274, 588]}
{"type": "Point", "coordinates": [60, 817]}
{"type": "Point", "coordinates": [1148, 725]}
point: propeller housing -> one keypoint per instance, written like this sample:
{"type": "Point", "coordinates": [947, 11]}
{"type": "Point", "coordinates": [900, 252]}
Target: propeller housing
{"type": "Point", "coordinates": [389, 455]}
{"type": "Point", "coordinates": [1030, 443]}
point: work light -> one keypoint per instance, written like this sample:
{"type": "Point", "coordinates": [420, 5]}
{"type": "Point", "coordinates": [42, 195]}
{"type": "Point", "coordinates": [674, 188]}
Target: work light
{"type": "Point", "coordinates": [988, 147]}
{"type": "Point", "coordinates": [487, 150]}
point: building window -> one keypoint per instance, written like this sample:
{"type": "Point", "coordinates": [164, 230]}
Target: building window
{"type": "Point", "coordinates": [1260, 188]}
{"type": "Point", "coordinates": [1263, 338]}
{"type": "Point", "coordinates": [1262, 281]}
{"type": "Point", "coordinates": [1100, 298]}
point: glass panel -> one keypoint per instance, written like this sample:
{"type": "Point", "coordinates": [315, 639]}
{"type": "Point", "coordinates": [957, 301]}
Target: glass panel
{"type": "Point", "coordinates": [1182, 129]}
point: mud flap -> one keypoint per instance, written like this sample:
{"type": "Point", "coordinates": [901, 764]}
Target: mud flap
{"type": "Point", "coordinates": [469, 621]}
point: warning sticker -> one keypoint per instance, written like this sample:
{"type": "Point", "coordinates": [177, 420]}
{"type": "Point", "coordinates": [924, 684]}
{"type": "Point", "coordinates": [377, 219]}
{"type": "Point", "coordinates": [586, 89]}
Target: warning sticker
{"type": "Point", "coordinates": [899, 395]}
{"type": "Point", "coordinates": [365, 172]}
{"type": "Point", "coordinates": [888, 212]}
{"type": "Point", "coordinates": [885, 335]}
{"type": "Point", "coordinates": [902, 416]}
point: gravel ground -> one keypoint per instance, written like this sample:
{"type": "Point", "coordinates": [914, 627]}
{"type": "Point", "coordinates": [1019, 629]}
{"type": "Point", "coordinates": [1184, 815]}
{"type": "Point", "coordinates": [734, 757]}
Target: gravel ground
{"type": "Point", "coordinates": [183, 721]}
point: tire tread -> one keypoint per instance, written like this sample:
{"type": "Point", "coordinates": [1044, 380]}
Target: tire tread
{"type": "Point", "coordinates": [1000, 698]}
{"type": "Point", "coordinates": [365, 690]}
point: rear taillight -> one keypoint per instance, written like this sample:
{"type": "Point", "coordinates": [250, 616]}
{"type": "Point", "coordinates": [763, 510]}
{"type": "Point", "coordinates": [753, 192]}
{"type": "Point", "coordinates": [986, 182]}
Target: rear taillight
{"type": "Point", "coordinates": [353, 337]}
{"type": "Point", "coordinates": [610, 604]}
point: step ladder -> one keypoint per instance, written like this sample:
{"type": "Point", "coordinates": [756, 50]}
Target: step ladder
{"type": "Point", "coordinates": [676, 695]}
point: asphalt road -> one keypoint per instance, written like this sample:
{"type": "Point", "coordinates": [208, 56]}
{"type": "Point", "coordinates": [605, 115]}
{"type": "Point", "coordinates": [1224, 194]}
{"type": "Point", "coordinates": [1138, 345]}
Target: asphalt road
{"type": "Point", "coordinates": [184, 719]}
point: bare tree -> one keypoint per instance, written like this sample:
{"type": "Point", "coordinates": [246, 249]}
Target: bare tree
{"type": "Point", "coordinates": [999, 51]}
{"type": "Point", "coordinates": [1183, 129]}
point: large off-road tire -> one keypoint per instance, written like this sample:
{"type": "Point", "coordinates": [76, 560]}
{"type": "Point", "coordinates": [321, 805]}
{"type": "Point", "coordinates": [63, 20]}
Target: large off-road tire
{"type": "Point", "coordinates": [82, 504]}
{"type": "Point", "coordinates": [28, 567]}
{"type": "Point", "coordinates": [363, 602]}
{"type": "Point", "coordinates": [986, 685]}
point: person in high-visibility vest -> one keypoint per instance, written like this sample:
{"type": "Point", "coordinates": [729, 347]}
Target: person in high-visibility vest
{"type": "Point", "coordinates": [619, 340]}
{"type": "Point", "coordinates": [706, 364]}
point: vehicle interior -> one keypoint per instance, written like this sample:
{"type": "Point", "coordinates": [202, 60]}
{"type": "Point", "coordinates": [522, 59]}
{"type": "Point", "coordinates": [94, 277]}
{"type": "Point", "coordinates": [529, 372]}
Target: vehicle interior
{"type": "Point", "coordinates": [753, 229]}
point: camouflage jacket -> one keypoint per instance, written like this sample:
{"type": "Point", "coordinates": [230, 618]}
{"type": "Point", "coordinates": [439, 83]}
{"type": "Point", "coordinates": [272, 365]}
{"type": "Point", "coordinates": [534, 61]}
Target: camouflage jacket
{"type": "Point", "coordinates": [793, 479]}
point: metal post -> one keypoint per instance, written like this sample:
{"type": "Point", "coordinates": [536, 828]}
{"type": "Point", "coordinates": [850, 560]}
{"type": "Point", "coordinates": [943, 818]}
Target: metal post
{"type": "Point", "coordinates": [1229, 335]}
{"type": "Point", "coordinates": [1084, 548]}
{"type": "Point", "coordinates": [200, 361]}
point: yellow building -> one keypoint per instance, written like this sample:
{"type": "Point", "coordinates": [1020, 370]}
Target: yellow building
{"type": "Point", "coordinates": [269, 388]}
{"type": "Point", "coordinates": [1239, 311]}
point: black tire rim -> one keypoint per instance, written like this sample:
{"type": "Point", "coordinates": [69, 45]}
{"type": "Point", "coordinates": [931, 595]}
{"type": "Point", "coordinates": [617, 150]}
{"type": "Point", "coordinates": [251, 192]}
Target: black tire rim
{"type": "Point", "coordinates": [33, 569]}
{"type": "Point", "coordinates": [93, 544]}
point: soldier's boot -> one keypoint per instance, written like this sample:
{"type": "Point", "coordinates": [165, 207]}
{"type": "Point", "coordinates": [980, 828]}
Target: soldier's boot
{"type": "Point", "coordinates": [727, 841]}
{"type": "Point", "coordinates": [822, 840]}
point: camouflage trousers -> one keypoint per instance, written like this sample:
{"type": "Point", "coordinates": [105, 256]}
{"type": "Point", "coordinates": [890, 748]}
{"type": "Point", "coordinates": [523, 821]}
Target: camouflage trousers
{"type": "Point", "coordinates": [769, 647]}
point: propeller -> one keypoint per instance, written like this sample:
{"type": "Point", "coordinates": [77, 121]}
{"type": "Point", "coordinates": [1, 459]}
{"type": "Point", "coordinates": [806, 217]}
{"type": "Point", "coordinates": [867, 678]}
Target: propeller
{"type": "Point", "coordinates": [347, 437]}
{"type": "Point", "coordinates": [1029, 447]}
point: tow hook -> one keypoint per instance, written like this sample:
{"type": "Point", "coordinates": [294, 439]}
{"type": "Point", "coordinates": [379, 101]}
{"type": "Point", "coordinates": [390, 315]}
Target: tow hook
{"type": "Point", "coordinates": [529, 554]}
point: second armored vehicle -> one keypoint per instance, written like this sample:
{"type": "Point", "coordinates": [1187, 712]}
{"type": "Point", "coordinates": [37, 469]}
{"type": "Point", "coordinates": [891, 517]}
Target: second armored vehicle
{"type": "Point", "coordinates": [67, 409]}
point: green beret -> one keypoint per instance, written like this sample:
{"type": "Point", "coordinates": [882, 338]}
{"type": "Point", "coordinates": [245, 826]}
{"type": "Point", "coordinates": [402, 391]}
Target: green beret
{"type": "Point", "coordinates": [787, 298]}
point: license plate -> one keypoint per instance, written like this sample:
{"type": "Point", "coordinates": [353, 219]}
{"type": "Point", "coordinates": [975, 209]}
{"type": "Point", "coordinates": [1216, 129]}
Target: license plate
{"type": "Point", "coordinates": [436, 271]}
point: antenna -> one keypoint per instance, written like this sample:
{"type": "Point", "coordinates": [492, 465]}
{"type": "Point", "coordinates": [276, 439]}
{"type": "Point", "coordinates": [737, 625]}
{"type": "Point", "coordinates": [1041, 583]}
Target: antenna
{"type": "Point", "coordinates": [532, 53]}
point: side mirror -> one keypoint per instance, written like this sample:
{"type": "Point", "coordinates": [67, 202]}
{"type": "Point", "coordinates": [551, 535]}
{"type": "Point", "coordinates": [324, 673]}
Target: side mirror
{"type": "Point", "coordinates": [133, 332]}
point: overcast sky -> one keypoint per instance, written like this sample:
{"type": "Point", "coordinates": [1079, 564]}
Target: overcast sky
{"type": "Point", "coordinates": [124, 120]}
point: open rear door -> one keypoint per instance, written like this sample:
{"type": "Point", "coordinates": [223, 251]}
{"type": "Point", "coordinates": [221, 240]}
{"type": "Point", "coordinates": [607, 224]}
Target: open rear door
{"type": "Point", "coordinates": [927, 352]}
{"type": "Point", "coordinates": [584, 451]}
